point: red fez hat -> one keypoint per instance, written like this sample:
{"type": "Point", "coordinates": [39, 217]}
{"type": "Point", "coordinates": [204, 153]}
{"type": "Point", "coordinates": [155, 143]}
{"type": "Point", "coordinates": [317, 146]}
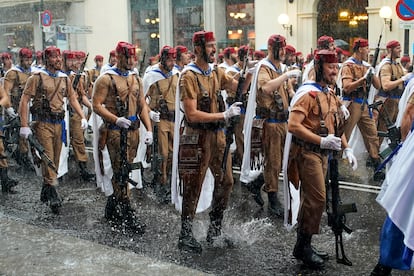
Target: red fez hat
{"type": "Point", "coordinates": [229, 50]}
{"type": "Point", "coordinates": [259, 54]}
{"type": "Point", "coordinates": [181, 49]}
{"type": "Point", "coordinates": [98, 58]}
{"type": "Point", "coordinates": [80, 54]}
{"type": "Point", "coordinates": [39, 54]}
{"type": "Point", "coordinates": [202, 37]}
{"type": "Point", "coordinates": [67, 54]}
{"type": "Point", "coordinates": [298, 54]}
{"type": "Point", "coordinates": [112, 53]}
{"type": "Point", "coordinates": [6, 55]}
{"type": "Point", "coordinates": [277, 40]}
{"type": "Point", "coordinates": [168, 51]}
{"type": "Point", "coordinates": [393, 44]}
{"type": "Point", "coordinates": [323, 41]}
{"type": "Point", "coordinates": [326, 56]}
{"type": "Point", "coordinates": [25, 52]}
{"type": "Point", "coordinates": [290, 49]}
{"type": "Point", "coordinates": [51, 50]}
{"type": "Point", "coordinates": [360, 43]}
{"type": "Point", "coordinates": [405, 59]}
{"type": "Point", "coordinates": [125, 48]}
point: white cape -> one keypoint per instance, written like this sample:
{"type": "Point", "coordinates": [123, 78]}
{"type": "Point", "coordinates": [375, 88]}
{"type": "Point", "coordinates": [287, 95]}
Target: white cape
{"type": "Point", "coordinates": [397, 190]}
{"type": "Point", "coordinates": [248, 174]}
{"type": "Point", "coordinates": [206, 194]}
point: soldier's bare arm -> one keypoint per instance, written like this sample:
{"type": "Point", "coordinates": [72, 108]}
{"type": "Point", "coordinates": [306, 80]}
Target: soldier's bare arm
{"type": "Point", "coordinates": [100, 91]}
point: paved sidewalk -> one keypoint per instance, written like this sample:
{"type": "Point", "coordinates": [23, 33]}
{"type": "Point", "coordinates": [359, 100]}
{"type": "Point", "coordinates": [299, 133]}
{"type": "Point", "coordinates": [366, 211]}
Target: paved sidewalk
{"type": "Point", "coordinates": [30, 250]}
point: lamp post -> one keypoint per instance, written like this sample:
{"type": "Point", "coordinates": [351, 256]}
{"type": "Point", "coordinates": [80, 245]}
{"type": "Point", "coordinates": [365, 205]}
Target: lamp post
{"type": "Point", "coordinates": [283, 20]}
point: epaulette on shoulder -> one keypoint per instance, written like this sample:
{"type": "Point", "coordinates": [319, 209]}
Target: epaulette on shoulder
{"type": "Point", "coordinates": [313, 94]}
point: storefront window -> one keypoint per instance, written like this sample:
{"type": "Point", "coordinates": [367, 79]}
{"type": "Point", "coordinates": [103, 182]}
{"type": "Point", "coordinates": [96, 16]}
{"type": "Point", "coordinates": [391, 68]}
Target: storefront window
{"type": "Point", "coordinates": [240, 24]}
{"type": "Point", "coordinates": [187, 19]}
{"type": "Point", "coordinates": [145, 27]}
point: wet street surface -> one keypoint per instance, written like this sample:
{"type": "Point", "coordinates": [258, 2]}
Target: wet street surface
{"type": "Point", "coordinates": [262, 245]}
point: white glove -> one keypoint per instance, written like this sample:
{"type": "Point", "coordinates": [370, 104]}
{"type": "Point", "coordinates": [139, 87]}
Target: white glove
{"type": "Point", "coordinates": [155, 116]}
{"type": "Point", "coordinates": [234, 110]}
{"type": "Point", "coordinates": [370, 71]}
{"type": "Point", "coordinates": [351, 158]}
{"type": "Point", "coordinates": [123, 122]}
{"type": "Point", "coordinates": [406, 76]}
{"type": "Point", "coordinates": [84, 124]}
{"type": "Point", "coordinates": [345, 111]}
{"type": "Point", "coordinates": [331, 142]}
{"type": "Point", "coordinates": [295, 73]}
{"type": "Point", "coordinates": [148, 138]}
{"type": "Point", "coordinates": [10, 111]}
{"type": "Point", "coordinates": [25, 132]}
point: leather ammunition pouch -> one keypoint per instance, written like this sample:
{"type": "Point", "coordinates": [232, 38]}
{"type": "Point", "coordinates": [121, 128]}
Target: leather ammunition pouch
{"type": "Point", "coordinates": [206, 126]}
{"type": "Point", "coordinates": [169, 116]}
{"type": "Point", "coordinates": [309, 146]}
{"type": "Point", "coordinates": [395, 93]}
{"type": "Point", "coordinates": [189, 157]}
{"type": "Point", "coordinates": [358, 93]}
{"type": "Point", "coordinates": [49, 117]}
{"type": "Point", "coordinates": [256, 141]}
{"type": "Point", "coordinates": [266, 113]}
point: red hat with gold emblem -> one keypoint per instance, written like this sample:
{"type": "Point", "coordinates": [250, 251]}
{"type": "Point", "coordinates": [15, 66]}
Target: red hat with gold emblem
{"type": "Point", "coordinates": [202, 37]}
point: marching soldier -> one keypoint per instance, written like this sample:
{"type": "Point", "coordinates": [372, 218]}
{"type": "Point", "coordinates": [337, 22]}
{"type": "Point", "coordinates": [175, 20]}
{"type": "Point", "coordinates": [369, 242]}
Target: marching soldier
{"type": "Point", "coordinates": [183, 57]}
{"type": "Point", "coordinates": [112, 60]}
{"type": "Point", "coordinates": [268, 99]}
{"type": "Point", "coordinates": [203, 139]}
{"type": "Point", "coordinates": [7, 183]}
{"type": "Point", "coordinates": [119, 90]}
{"type": "Point", "coordinates": [234, 70]}
{"type": "Point", "coordinates": [94, 73]}
{"type": "Point", "coordinates": [355, 73]}
{"type": "Point", "coordinates": [160, 84]}
{"type": "Point", "coordinates": [14, 83]}
{"type": "Point", "coordinates": [315, 122]}
{"type": "Point", "coordinates": [47, 88]}
{"type": "Point", "coordinates": [392, 77]}
{"type": "Point", "coordinates": [72, 63]}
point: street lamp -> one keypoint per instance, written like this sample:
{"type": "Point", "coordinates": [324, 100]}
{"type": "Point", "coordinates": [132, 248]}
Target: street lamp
{"type": "Point", "coordinates": [386, 13]}
{"type": "Point", "coordinates": [283, 20]}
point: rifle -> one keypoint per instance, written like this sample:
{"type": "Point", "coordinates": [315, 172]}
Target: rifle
{"type": "Point", "coordinates": [373, 65]}
{"type": "Point", "coordinates": [142, 65]}
{"type": "Point", "coordinates": [125, 166]}
{"type": "Point", "coordinates": [79, 73]}
{"type": "Point", "coordinates": [336, 211]}
{"type": "Point", "coordinates": [36, 145]}
{"type": "Point", "coordinates": [11, 129]}
{"type": "Point", "coordinates": [234, 120]}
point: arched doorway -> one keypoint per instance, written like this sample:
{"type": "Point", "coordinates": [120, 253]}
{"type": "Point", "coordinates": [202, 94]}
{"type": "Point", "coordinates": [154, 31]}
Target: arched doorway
{"type": "Point", "coordinates": [343, 20]}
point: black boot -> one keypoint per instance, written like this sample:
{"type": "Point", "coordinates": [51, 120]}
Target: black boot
{"type": "Point", "coordinates": [55, 201]}
{"type": "Point", "coordinates": [304, 252]}
{"type": "Point", "coordinates": [112, 210]}
{"type": "Point", "coordinates": [130, 219]}
{"type": "Point", "coordinates": [214, 231]}
{"type": "Point", "coordinates": [255, 188]}
{"type": "Point", "coordinates": [381, 270]}
{"type": "Point", "coordinates": [44, 197]}
{"type": "Point", "coordinates": [7, 183]}
{"type": "Point", "coordinates": [275, 207]}
{"type": "Point", "coordinates": [87, 176]}
{"type": "Point", "coordinates": [186, 241]}
{"type": "Point", "coordinates": [163, 192]}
